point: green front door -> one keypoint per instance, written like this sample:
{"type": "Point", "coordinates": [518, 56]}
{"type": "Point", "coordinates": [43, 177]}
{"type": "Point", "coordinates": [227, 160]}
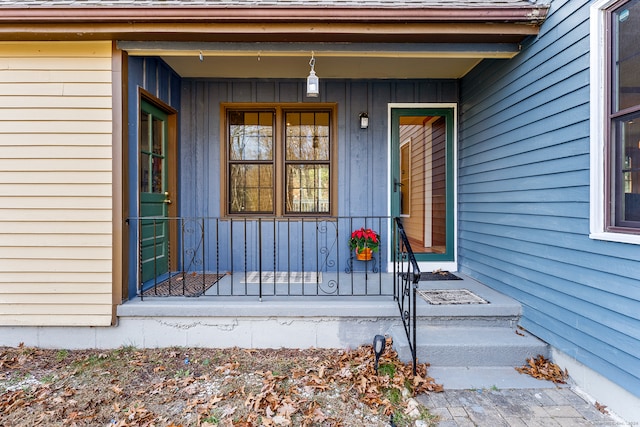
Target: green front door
{"type": "Point", "coordinates": [423, 179]}
{"type": "Point", "coordinates": [154, 197]}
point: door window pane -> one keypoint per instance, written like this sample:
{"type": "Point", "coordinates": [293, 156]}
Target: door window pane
{"type": "Point", "coordinates": [157, 175]}
{"type": "Point", "coordinates": [423, 175]}
{"type": "Point", "coordinates": [144, 173]}
{"type": "Point", "coordinates": [152, 146]}
{"type": "Point", "coordinates": [158, 136]}
{"type": "Point", "coordinates": [405, 178]}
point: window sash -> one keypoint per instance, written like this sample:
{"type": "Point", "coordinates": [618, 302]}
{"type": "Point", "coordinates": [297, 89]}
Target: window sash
{"type": "Point", "coordinates": [622, 166]}
{"type": "Point", "coordinates": [279, 161]}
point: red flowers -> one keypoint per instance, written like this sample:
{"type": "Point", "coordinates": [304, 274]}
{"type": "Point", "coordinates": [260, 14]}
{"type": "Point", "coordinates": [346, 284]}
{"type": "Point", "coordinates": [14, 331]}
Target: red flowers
{"type": "Point", "coordinates": [364, 238]}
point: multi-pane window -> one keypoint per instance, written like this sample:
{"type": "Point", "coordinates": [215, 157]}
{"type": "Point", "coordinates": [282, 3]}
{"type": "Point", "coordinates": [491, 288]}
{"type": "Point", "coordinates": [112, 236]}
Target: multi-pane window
{"type": "Point", "coordinates": [307, 159]}
{"type": "Point", "coordinates": [251, 165]}
{"type": "Point", "coordinates": [624, 118]}
{"type": "Point", "coordinates": [279, 161]}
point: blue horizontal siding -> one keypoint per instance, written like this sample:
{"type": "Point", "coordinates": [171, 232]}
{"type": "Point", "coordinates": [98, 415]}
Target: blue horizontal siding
{"type": "Point", "coordinates": [528, 181]}
{"type": "Point", "coordinates": [620, 375]}
{"type": "Point", "coordinates": [536, 166]}
{"type": "Point", "coordinates": [524, 200]}
{"type": "Point", "coordinates": [554, 261]}
{"type": "Point", "coordinates": [526, 153]}
{"type": "Point", "coordinates": [525, 127]}
{"type": "Point", "coordinates": [546, 315]}
{"type": "Point", "coordinates": [572, 241]}
{"type": "Point", "coordinates": [563, 194]}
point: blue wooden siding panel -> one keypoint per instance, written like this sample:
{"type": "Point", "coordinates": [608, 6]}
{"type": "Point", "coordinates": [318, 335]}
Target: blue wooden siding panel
{"type": "Point", "coordinates": [361, 153]}
{"type": "Point", "coordinates": [524, 200]}
{"type": "Point", "coordinates": [157, 78]}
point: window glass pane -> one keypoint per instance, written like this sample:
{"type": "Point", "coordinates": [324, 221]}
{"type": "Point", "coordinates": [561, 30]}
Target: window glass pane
{"type": "Point", "coordinates": [157, 135]}
{"type": "Point", "coordinates": [251, 135]}
{"type": "Point", "coordinates": [300, 164]}
{"type": "Point", "coordinates": [626, 56]}
{"type": "Point", "coordinates": [405, 178]}
{"type": "Point", "coordinates": [626, 167]}
{"type": "Point", "coordinates": [423, 175]}
{"type": "Point", "coordinates": [144, 173]}
{"type": "Point", "coordinates": [144, 131]}
{"type": "Point", "coordinates": [251, 188]}
{"type": "Point", "coordinates": [156, 177]}
{"type": "Point", "coordinates": [307, 188]}
{"type": "Point", "coordinates": [307, 136]}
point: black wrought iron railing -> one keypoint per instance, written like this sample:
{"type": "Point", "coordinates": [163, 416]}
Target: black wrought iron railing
{"type": "Point", "coordinates": [259, 257]}
{"type": "Point", "coordinates": [407, 276]}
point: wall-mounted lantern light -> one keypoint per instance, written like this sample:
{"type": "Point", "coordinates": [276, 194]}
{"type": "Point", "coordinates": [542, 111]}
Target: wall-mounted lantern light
{"type": "Point", "coordinates": [364, 120]}
{"type": "Point", "coordinates": [313, 84]}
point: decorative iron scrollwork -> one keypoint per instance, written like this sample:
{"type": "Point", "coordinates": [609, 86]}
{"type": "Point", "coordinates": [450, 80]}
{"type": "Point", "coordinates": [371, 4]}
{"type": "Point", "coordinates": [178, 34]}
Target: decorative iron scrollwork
{"type": "Point", "coordinates": [329, 288]}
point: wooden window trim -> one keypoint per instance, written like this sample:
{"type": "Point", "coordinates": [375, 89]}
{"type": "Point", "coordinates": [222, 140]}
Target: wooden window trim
{"type": "Point", "coordinates": [280, 109]}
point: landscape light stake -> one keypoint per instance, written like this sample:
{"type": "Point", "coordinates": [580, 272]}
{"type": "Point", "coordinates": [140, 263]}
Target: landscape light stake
{"type": "Point", "coordinates": [379, 343]}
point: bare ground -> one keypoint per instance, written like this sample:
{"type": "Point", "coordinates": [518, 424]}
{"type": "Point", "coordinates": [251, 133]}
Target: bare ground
{"type": "Point", "coordinates": [209, 387]}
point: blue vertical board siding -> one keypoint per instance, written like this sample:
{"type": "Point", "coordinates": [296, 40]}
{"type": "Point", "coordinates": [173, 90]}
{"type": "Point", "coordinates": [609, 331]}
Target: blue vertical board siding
{"type": "Point", "coordinates": [157, 78]}
{"type": "Point", "coordinates": [362, 153]}
{"type": "Point", "coordinates": [362, 161]}
{"type": "Point", "coordinates": [524, 200]}
{"type": "Point", "coordinates": [362, 164]}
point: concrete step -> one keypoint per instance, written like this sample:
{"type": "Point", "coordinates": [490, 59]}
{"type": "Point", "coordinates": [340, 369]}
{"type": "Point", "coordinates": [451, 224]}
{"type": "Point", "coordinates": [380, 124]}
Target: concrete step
{"type": "Point", "coordinates": [470, 346]}
{"type": "Point", "coordinates": [500, 310]}
{"type": "Point", "coordinates": [485, 378]}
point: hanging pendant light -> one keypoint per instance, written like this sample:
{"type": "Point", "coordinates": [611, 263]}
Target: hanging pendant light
{"type": "Point", "coordinates": [313, 84]}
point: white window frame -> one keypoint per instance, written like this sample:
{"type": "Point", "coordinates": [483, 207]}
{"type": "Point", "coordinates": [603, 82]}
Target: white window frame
{"type": "Point", "coordinates": [598, 126]}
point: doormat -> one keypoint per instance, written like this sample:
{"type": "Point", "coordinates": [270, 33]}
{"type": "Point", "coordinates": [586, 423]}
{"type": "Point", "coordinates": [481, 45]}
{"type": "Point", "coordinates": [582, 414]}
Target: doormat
{"type": "Point", "coordinates": [283, 277]}
{"type": "Point", "coordinates": [451, 296]}
{"type": "Point", "coordinates": [191, 285]}
{"type": "Point", "coordinates": [439, 275]}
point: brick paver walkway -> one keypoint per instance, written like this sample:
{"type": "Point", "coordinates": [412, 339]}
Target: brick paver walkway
{"type": "Point", "coordinates": [553, 407]}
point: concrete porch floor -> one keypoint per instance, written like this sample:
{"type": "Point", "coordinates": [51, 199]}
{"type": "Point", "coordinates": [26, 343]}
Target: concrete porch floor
{"type": "Point", "coordinates": [336, 296]}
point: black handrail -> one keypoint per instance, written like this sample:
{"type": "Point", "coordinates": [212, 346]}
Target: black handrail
{"type": "Point", "coordinates": [405, 290]}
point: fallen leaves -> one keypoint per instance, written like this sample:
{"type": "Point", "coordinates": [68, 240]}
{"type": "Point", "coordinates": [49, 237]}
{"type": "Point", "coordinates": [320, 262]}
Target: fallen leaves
{"type": "Point", "coordinates": [602, 408]}
{"type": "Point", "coordinates": [207, 387]}
{"type": "Point", "coordinates": [543, 369]}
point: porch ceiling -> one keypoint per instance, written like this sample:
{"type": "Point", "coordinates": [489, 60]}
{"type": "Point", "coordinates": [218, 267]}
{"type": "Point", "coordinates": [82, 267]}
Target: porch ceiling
{"type": "Point", "coordinates": [367, 61]}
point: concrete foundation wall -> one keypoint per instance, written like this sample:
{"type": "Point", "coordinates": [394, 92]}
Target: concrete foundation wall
{"type": "Point", "coordinates": [274, 324]}
{"type": "Point", "coordinates": [598, 388]}
{"type": "Point", "coordinates": [214, 332]}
